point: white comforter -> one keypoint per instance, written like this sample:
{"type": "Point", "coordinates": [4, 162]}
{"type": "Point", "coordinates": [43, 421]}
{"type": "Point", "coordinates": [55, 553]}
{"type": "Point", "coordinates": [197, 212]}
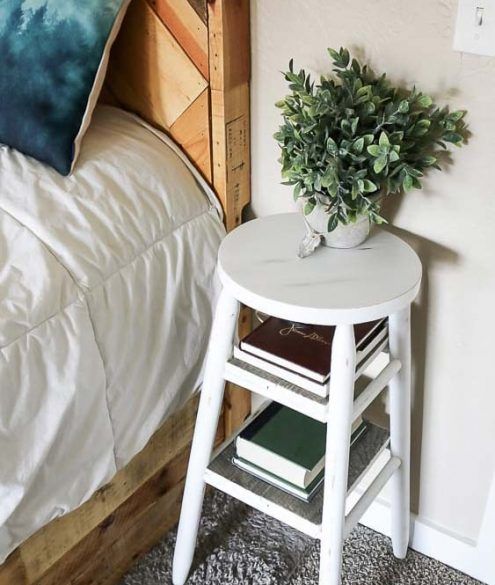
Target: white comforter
{"type": "Point", "coordinates": [106, 292]}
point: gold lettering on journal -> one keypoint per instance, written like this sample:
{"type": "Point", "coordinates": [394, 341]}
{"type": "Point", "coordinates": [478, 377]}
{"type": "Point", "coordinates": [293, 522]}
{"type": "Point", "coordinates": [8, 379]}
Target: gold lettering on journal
{"type": "Point", "coordinates": [299, 330]}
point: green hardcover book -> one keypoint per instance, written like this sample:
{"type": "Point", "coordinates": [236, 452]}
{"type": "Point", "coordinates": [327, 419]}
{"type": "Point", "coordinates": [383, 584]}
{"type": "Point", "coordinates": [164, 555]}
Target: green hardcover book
{"type": "Point", "coordinates": [286, 443]}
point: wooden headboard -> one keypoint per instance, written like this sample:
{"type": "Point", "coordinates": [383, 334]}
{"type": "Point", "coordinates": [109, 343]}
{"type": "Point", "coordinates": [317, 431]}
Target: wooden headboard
{"type": "Point", "coordinates": [184, 66]}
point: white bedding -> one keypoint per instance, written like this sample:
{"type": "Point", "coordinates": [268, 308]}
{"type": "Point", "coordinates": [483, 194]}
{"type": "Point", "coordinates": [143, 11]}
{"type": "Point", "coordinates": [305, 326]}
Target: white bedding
{"type": "Point", "coordinates": [107, 284]}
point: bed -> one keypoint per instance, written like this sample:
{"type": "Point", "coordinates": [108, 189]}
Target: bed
{"type": "Point", "coordinates": [104, 346]}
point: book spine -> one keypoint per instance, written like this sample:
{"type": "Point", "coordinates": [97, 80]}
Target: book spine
{"type": "Point", "coordinates": [273, 480]}
{"type": "Point", "coordinates": [268, 357]}
{"type": "Point", "coordinates": [280, 372]}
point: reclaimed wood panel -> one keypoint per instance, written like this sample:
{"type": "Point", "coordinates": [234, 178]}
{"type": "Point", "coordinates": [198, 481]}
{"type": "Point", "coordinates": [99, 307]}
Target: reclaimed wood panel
{"type": "Point", "coordinates": [229, 82]}
{"type": "Point", "coordinates": [149, 72]}
{"type": "Point", "coordinates": [189, 30]}
{"type": "Point", "coordinates": [192, 131]}
{"type": "Point", "coordinates": [229, 90]}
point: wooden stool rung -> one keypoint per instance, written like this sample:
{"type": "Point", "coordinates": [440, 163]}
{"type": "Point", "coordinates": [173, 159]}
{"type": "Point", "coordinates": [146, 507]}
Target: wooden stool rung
{"type": "Point", "coordinates": [370, 494]}
{"type": "Point", "coordinates": [374, 388]}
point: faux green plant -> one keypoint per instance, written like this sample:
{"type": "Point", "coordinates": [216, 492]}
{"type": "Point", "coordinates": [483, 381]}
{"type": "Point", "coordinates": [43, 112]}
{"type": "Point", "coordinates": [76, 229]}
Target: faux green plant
{"type": "Point", "coordinates": [353, 138]}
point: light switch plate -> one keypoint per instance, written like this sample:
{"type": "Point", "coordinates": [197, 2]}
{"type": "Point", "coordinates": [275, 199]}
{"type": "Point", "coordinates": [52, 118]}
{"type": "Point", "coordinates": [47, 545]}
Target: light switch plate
{"type": "Point", "coordinates": [475, 27]}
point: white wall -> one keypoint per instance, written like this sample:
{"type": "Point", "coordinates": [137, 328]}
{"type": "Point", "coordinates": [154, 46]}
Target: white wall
{"type": "Point", "coordinates": [451, 223]}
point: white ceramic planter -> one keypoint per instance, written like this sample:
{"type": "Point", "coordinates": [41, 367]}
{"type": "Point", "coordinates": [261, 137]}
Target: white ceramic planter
{"type": "Point", "coordinates": [343, 236]}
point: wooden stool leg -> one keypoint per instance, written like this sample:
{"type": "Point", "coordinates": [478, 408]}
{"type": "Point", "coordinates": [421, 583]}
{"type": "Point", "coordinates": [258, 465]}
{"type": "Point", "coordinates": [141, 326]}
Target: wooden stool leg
{"type": "Point", "coordinates": [400, 429]}
{"type": "Point", "coordinates": [337, 454]}
{"type": "Point", "coordinates": [219, 350]}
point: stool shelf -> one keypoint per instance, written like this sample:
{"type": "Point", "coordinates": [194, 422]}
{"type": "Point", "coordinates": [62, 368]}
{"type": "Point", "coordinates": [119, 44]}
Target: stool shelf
{"type": "Point", "coordinates": [266, 384]}
{"type": "Point", "coordinates": [303, 516]}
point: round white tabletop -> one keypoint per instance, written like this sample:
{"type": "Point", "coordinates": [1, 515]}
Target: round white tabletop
{"type": "Point", "coordinates": [258, 264]}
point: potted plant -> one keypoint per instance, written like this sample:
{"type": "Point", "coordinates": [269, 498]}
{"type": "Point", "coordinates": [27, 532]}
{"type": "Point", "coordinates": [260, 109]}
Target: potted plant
{"type": "Point", "coordinates": [352, 139]}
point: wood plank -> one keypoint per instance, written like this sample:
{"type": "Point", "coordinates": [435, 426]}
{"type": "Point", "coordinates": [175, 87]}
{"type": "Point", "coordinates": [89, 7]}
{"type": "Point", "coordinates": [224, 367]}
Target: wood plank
{"type": "Point", "coordinates": [200, 8]}
{"type": "Point", "coordinates": [230, 54]}
{"type": "Point", "coordinates": [51, 543]}
{"type": "Point", "coordinates": [190, 31]}
{"type": "Point", "coordinates": [229, 81]}
{"type": "Point", "coordinates": [229, 41]}
{"type": "Point", "coordinates": [149, 72]}
{"type": "Point", "coordinates": [73, 568]}
{"type": "Point", "coordinates": [192, 132]}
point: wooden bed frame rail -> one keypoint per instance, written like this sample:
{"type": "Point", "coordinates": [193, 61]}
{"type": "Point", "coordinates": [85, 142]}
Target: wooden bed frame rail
{"type": "Point", "coordinates": [184, 66]}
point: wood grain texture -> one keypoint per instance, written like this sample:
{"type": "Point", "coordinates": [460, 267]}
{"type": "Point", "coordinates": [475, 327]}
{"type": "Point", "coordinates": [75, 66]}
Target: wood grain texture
{"type": "Point", "coordinates": [229, 88]}
{"type": "Point", "coordinates": [200, 8]}
{"type": "Point", "coordinates": [192, 131]}
{"type": "Point", "coordinates": [149, 72]}
{"type": "Point", "coordinates": [189, 30]}
{"type": "Point", "coordinates": [229, 83]}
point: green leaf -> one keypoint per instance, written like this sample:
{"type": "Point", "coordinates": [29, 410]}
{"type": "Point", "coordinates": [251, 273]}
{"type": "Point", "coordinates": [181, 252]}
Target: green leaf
{"type": "Point", "coordinates": [358, 145]}
{"type": "Point", "coordinates": [404, 107]}
{"type": "Point", "coordinates": [332, 147]}
{"type": "Point", "coordinates": [421, 127]}
{"type": "Point", "coordinates": [345, 57]}
{"type": "Point", "coordinates": [456, 116]}
{"type": "Point", "coordinates": [429, 160]}
{"type": "Point", "coordinates": [297, 191]}
{"type": "Point", "coordinates": [369, 108]}
{"type": "Point", "coordinates": [369, 186]}
{"type": "Point", "coordinates": [308, 208]}
{"type": "Point", "coordinates": [363, 91]}
{"type": "Point", "coordinates": [354, 124]}
{"type": "Point", "coordinates": [383, 141]}
{"type": "Point", "coordinates": [335, 56]}
{"type": "Point", "coordinates": [332, 222]}
{"type": "Point", "coordinates": [453, 137]}
{"type": "Point", "coordinates": [424, 101]}
{"type": "Point", "coordinates": [407, 183]}
{"type": "Point", "coordinates": [374, 150]}
{"type": "Point", "coordinates": [380, 164]}
{"type": "Point", "coordinates": [356, 67]}
{"type": "Point", "coordinates": [393, 156]}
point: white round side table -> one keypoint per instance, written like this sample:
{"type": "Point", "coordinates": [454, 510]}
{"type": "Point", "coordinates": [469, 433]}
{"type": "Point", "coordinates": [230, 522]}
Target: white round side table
{"type": "Point", "coordinates": [258, 266]}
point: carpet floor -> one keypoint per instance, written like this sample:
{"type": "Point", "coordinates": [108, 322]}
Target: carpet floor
{"type": "Point", "coordinates": [240, 546]}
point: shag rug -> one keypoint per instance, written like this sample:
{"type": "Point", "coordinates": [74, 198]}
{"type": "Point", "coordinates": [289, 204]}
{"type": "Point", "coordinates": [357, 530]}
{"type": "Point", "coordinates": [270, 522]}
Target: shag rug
{"type": "Point", "coordinates": [240, 546]}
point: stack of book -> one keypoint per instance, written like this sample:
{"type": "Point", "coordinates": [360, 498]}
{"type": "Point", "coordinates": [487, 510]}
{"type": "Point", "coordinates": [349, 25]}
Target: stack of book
{"type": "Point", "coordinates": [281, 446]}
{"type": "Point", "coordinates": [286, 449]}
{"type": "Point", "coordinates": [301, 354]}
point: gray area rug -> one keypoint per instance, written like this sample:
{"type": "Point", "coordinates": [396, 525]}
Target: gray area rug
{"type": "Point", "coordinates": [240, 546]}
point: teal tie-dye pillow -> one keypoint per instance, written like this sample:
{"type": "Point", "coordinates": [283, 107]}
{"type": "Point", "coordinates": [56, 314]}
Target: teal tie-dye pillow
{"type": "Point", "coordinates": [53, 56]}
